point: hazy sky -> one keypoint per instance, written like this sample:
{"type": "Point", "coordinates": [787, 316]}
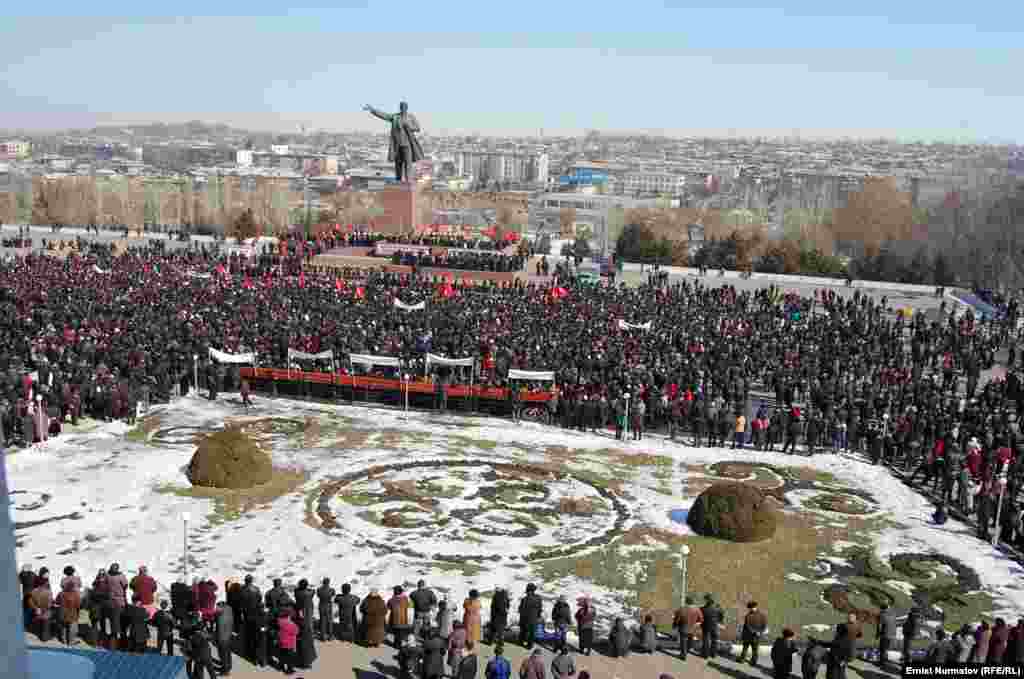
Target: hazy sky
{"type": "Point", "coordinates": [909, 69]}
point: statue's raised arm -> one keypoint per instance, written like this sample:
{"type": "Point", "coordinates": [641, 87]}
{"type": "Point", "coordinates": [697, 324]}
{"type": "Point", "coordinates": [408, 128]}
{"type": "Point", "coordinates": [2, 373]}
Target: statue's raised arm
{"type": "Point", "coordinates": [380, 114]}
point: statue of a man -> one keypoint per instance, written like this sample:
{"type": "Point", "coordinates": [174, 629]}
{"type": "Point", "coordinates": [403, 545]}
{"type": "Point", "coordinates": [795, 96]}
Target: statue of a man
{"type": "Point", "coordinates": [404, 149]}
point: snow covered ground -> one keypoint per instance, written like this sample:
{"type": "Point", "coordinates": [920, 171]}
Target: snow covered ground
{"type": "Point", "coordinates": [93, 498]}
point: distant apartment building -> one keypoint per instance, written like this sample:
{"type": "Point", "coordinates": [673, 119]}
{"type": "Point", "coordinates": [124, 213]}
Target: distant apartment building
{"type": "Point", "coordinates": [181, 158]}
{"type": "Point", "coordinates": [15, 149]}
{"type": "Point", "coordinates": [591, 209]}
{"type": "Point", "coordinates": [243, 158]}
{"type": "Point", "coordinates": [621, 179]}
{"type": "Point", "coordinates": [502, 166]}
{"type": "Point", "coordinates": [279, 149]}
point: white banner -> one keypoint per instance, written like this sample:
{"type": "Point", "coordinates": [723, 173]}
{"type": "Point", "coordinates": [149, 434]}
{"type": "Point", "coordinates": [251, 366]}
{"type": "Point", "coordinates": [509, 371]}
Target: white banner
{"type": "Point", "coordinates": [97, 269]}
{"type": "Point", "coordinates": [457, 362]}
{"type": "Point", "coordinates": [531, 375]}
{"type": "Point", "coordinates": [410, 307]}
{"type": "Point", "coordinates": [303, 356]}
{"type": "Point", "coordinates": [200, 275]}
{"type": "Point", "coordinates": [623, 325]}
{"type": "Point", "coordinates": [366, 359]}
{"type": "Point", "coordinates": [232, 358]}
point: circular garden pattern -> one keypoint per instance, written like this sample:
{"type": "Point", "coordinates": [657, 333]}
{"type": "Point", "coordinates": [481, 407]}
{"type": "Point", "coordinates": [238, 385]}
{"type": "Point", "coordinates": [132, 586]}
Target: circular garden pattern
{"type": "Point", "coordinates": [476, 511]}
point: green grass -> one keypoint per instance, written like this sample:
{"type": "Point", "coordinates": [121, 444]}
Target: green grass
{"type": "Point", "coordinates": [360, 499]}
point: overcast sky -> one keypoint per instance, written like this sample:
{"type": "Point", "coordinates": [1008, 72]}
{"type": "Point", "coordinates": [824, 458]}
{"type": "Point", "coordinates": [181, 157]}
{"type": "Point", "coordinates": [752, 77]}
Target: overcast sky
{"type": "Point", "coordinates": [911, 70]}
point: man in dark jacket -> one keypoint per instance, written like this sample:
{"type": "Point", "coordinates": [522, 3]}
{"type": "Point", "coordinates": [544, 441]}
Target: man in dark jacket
{"type": "Point", "coordinates": [709, 629]}
{"type": "Point", "coordinates": [256, 634]}
{"type": "Point", "coordinates": [941, 651]}
{"type": "Point", "coordinates": [433, 656]}
{"type": "Point", "coordinates": [200, 656]}
{"type": "Point", "coordinates": [530, 609]}
{"type": "Point", "coordinates": [783, 651]}
{"type": "Point", "coordinates": [325, 608]}
{"type": "Point", "coordinates": [754, 625]}
{"type": "Point", "coordinates": [348, 605]}
{"type": "Point", "coordinates": [274, 598]}
{"type": "Point", "coordinates": [911, 630]}
{"type": "Point", "coordinates": [886, 632]}
{"type": "Point", "coordinates": [499, 616]}
{"type": "Point", "coordinates": [423, 602]}
{"type": "Point", "coordinates": [137, 626]}
{"type": "Point", "coordinates": [685, 622]}
{"type": "Point", "coordinates": [224, 625]}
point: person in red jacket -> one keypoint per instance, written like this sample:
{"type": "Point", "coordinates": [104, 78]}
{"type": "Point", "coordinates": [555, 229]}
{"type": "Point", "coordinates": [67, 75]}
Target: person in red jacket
{"type": "Point", "coordinates": [287, 640]}
{"type": "Point", "coordinates": [144, 587]}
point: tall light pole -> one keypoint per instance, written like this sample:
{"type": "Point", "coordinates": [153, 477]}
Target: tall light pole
{"type": "Point", "coordinates": [684, 552]}
{"type": "Point", "coordinates": [999, 508]}
{"type": "Point", "coordinates": [195, 373]}
{"type": "Point", "coordinates": [184, 564]}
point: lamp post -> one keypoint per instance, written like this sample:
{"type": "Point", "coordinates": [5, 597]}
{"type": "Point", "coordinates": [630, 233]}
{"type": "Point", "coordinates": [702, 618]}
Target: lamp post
{"type": "Point", "coordinates": [999, 508]}
{"type": "Point", "coordinates": [405, 380]}
{"type": "Point", "coordinates": [195, 372]}
{"type": "Point", "coordinates": [185, 519]}
{"type": "Point", "coordinates": [684, 552]}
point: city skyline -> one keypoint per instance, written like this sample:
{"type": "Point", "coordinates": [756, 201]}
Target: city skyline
{"type": "Point", "coordinates": [744, 71]}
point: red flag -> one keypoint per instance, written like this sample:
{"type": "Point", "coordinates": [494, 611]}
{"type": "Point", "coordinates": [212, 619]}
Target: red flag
{"type": "Point", "coordinates": [302, 279]}
{"type": "Point", "coordinates": [560, 292]}
{"type": "Point", "coordinates": [247, 283]}
{"type": "Point", "coordinates": [339, 284]}
{"type": "Point", "coordinates": [360, 292]}
{"type": "Point", "coordinates": [447, 290]}
{"type": "Point", "coordinates": [221, 270]}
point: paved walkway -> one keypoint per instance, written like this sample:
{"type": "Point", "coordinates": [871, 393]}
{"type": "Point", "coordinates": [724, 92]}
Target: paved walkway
{"type": "Point", "coordinates": [339, 660]}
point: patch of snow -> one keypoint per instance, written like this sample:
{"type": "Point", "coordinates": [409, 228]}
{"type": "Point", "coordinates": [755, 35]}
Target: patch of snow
{"type": "Point", "coordinates": [796, 577]}
{"type": "Point", "coordinates": [901, 586]}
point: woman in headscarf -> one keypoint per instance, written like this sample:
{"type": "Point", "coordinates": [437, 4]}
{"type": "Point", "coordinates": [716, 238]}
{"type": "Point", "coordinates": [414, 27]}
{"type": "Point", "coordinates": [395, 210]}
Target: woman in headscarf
{"type": "Point", "coordinates": [585, 617]}
{"type": "Point", "coordinates": [471, 617]}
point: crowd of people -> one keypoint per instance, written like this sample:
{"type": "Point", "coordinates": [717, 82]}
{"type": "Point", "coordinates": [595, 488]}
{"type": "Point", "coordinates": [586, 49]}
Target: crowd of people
{"type": "Point", "coordinates": [434, 638]}
{"type": "Point", "coordinates": [461, 260]}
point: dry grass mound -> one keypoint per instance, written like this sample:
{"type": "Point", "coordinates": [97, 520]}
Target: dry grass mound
{"type": "Point", "coordinates": [733, 511]}
{"type": "Point", "coordinates": [229, 459]}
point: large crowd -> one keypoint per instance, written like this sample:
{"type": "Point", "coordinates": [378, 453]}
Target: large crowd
{"type": "Point", "coordinates": [96, 332]}
{"type": "Point", "coordinates": [434, 638]}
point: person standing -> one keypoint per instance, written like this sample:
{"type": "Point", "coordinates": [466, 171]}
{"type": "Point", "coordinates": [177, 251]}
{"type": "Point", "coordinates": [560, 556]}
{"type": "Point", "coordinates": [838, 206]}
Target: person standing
{"type": "Point", "coordinates": [423, 602]}
{"type": "Point", "coordinates": [886, 633]}
{"type": "Point", "coordinates": [433, 656]}
{"type": "Point", "coordinates": [530, 609]}
{"type": "Point", "coordinates": [224, 629]}
{"type": "Point", "coordinates": [118, 588]}
{"type": "Point", "coordinates": [563, 666]}
{"type": "Point", "coordinates": [783, 651]}
{"type": "Point", "coordinates": [754, 625]}
{"type": "Point", "coordinates": [348, 605]}
{"type": "Point", "coordinates": [471, 617]}
{"type": "Point", "coordinates": [499, 616]}
{"type": "Point", "coordinates": [306, 648]}
{"type": "Point", "coordinates": [712, 615]}
{"type": "Point", "coordinates": [325, 601]}
{"type": "Point", "coordinates": [911, 630]}
{"type": "Point", "coordinates": [456, 646]}
{"type": "Point", "coordinates": [200, 657]}
{"type": "Point", "coordinates": [585, 618]}
{"type": "Point", "coordinates": [70, 608]}
{"type": "Point", "coordinates": [533, 666]}
{"type": "Point", "coordinates": [561, 616]}
{"type": "Point", "coordinates": [498, 667]}
{"type": "Point", "coordinates": [164, 624]}
{"type": "Point", "coordinates": [287, 641]}
{"type": "Point", "coordinates": [685, 622]}
{"type": "Point", "coordinates": [137, 625]}
{"type": "Point", "coordinates": [398, 616]}
{"type": "Point", "coordinates": [375, 613]}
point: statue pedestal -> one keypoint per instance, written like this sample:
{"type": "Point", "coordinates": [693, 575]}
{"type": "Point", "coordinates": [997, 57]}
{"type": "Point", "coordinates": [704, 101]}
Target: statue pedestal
{"type": "Point", "coordinates": [399, 202]}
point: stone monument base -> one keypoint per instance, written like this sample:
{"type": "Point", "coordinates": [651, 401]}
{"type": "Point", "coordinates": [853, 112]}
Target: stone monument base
{"type": "Point", "coordinates": [399, 202]}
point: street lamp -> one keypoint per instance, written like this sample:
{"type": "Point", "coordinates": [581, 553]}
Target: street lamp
{"type": "Point", "coordinates": [405, 379]}
{"type": "Point", "coordinates": [684, 552]}
{"type": "Point", "coordinates": [185, 519]}
{"type": "Point", "coordinates": [999, 508]}
{"type": "Point", "coordinates": [195, 372]}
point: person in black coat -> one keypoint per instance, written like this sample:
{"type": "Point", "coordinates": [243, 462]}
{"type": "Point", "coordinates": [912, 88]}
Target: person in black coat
{"type": "Point", "coordinates": [710, 627]}
{"type": "Point", "coordinates": [200, 655]}
{"type": "Point", "coordinates": [164, 624]}
{"type": "Point", "coordinates": [137, 620]}
{"type": "Point", "coordinates": [530, 609]}
{"type": "Point", "coordinates": [224, 626]}
{"type": "Point", "coordinates": [499, 616]}
{"type": "Point", "coordinates": [348, 605]}
{"type": "Point", "coordinates": [256, 634]}
{"type": "Point", "coordinates": [783, 651]}
{"type": "Point", "coordinates": [306, 649]}
{"type": "Point", "coordinates": [840, 652]}
{"type": "Point", "coordinates": [433, 656]}
{"type": "Point", "coordinates": [325, 607]}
